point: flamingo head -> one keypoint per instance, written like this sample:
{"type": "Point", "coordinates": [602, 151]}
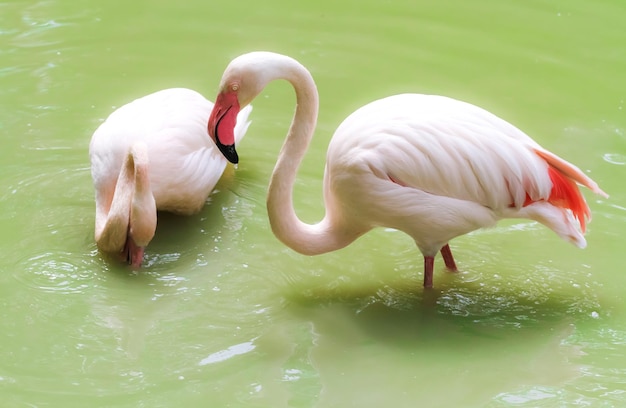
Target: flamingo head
{"type": "Point", "coordinates": [222, 123]}
{"type": "Point", "coordinates": [133, 253]}
{"type": "Point", "coordinates": [141, 230]}
{"type": "Point", "coordinates": [244, 78]}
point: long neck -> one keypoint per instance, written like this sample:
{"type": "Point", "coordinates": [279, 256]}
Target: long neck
{"type": "Point", "coordinates": [112, 222]}
{"type": "Point", "coordinates": [132, 204]}
{"type": "Point", "coordinates": [305, 238]}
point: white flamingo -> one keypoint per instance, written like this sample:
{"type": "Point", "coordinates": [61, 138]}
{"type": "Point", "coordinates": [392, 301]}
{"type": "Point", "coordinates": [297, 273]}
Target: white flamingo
{"type": "Point", "coordinates": [153, 154]}
{"type": "Point", "coordinates": [428, 165]}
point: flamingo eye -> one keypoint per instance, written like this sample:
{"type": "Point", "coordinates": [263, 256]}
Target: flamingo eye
{"type": "Point", "coordinates": [234, 87]}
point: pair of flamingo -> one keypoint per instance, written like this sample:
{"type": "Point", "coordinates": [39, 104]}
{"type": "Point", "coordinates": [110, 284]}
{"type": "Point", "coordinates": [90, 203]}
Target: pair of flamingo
{"type": "Point", "coordinates": [430, 166]}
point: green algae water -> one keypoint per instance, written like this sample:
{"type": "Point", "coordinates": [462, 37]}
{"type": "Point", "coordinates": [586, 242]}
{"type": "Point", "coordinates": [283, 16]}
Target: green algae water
{"type": "Point", "coordinates": [222, 314]}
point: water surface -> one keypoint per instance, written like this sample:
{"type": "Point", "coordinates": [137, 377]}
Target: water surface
{"type": "Point", "coordinates": [224, 315]}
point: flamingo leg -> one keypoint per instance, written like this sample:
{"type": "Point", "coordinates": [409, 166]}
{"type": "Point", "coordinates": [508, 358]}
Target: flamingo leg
{"type": "Point", "coordinates": [448, 258]}
{"type": "Point", "coordinates": [429, 263]}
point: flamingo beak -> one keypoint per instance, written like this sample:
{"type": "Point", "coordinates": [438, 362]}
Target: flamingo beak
{"type": "Point", "coordinates": [222, 123]}
{"type": "Point", "coordinates": [134, 253]}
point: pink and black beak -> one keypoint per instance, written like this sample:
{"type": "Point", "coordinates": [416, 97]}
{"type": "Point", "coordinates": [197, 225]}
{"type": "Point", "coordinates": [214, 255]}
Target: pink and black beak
{"type": "Point", "coordinates": [222, 124]}
{"type": "Point", "coordinates": [133, 253]}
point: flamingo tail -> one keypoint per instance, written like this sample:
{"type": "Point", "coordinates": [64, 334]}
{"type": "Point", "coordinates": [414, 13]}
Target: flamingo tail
{"type": "Point", "coordinates": [565, 193]}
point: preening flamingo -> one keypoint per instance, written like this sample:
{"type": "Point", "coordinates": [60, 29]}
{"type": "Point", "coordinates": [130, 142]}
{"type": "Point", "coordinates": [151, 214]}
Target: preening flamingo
{"type": "Point", "coordinates": [428, 165]}
{"type": "Point", "coordinates": [153, 154]}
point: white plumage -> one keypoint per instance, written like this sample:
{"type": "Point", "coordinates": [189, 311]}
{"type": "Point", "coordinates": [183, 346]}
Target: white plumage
{"type": "Point", "coordinates": [464, 168]}
{"type": "Point", "coordinates": [160, 142]}
{"type": "Point", "coordinates": [428, 165]}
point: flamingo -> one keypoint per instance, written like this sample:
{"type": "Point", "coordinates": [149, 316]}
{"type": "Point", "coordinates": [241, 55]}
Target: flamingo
{"type": "Point", "coordinates": [153, 154]}
{"type": "Point", "coordinates": [428, 165]}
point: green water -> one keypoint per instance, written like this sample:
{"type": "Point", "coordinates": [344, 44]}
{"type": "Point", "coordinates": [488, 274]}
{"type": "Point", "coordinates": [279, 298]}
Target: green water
{"type": "Point", "coordinates": [223, 315]}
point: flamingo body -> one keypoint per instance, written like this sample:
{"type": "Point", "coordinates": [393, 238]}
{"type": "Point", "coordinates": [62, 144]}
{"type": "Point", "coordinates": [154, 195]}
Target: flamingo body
{"type": "Point", "coordinates": [152, 154]}
{"type": "Point", "coordinates": [436, 168]}
{"type": "Point", "coordinates": [428, 165]}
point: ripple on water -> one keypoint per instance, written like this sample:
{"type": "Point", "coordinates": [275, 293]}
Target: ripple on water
{"type": "Point", "coordinates": [615, 158]}
{"type": "Point", "coordinates": [228, 353]}
{"type": "Point", "coordinates": [58, 272]}
{"type": "Point", "coordinates": [538, 395]}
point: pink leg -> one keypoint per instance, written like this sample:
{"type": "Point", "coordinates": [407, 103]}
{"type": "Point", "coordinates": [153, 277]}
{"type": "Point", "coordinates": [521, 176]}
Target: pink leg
{"type": "Point", "coordinates": [429, 263]}
{"type": "Point", "coordinates": [448, 258]}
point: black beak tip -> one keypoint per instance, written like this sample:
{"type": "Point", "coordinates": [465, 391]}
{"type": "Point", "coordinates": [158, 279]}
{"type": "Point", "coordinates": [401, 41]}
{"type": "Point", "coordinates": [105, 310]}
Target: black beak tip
{"type": "Point", "coordinates": [229, 152]}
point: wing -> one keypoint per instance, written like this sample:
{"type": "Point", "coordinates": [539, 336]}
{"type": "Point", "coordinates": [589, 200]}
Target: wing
{"type": "Point", "coordinates": [448, 148]}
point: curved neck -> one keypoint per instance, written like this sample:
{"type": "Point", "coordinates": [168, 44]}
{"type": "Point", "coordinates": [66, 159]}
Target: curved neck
{"type": "Point", "coordinates": [132, 210]}
{"type": "Point", "coordinates": [309, 239]}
